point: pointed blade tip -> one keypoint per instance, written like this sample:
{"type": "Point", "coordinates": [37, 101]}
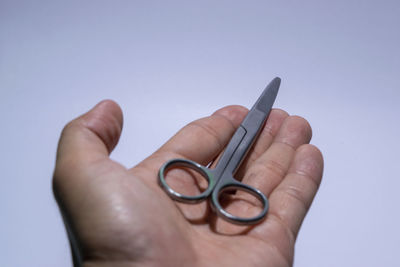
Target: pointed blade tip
{"type": "Point", "coordinates": [267, 99]}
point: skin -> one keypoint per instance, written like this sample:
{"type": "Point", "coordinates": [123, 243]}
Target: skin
{"type": "Point", "coordinates": [120, 216]}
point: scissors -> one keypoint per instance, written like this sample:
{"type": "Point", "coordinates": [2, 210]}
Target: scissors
{"type": "Point", "coordinates": [220, 179]}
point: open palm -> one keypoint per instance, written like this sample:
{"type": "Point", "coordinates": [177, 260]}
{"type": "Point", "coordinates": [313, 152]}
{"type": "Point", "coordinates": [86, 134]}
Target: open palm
{"type": "Point", "coordinates": [121, 217]}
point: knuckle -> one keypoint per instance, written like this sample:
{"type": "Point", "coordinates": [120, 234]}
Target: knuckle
{"type": "Point", "coordinates": [295, 194]}
{"type": "Point", "coordinates": [274, 167]}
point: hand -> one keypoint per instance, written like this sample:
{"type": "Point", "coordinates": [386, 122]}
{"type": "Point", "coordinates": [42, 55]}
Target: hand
{"type": "Point", "coordinates": [119, 216]}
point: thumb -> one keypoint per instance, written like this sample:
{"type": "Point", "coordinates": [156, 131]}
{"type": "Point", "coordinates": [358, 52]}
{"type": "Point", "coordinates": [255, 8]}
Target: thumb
{"type": "Point", "coordinates": [91, 136]}
{"type": "Point", "coordinates": [86, 140]}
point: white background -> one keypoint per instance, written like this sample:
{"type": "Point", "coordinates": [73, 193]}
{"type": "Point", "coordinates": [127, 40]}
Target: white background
{"type": "Point", "coordinates": [169, 62]}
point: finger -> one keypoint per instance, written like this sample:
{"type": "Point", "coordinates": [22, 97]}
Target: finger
{"type": "Point", "coordinates": [200, 140]}
{"type": "Point", "coordinates": [203, 139]}
{"type": "Point", "coordinates": [270, 168]}
{"type": "Point", "coordinates": [87, 139]}
{"type": "Point", "coordinates": [97, 131]}
{"type": "Point", "coordinates": [291, 200]}
{"type": "Point", "coordinates": [264, 140]}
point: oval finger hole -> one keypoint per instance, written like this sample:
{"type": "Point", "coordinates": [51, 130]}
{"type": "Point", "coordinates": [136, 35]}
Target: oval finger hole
{"type": "Point", "coordinates": [186, 181]}
{"type": "Point", "coordinates": [238, 202]}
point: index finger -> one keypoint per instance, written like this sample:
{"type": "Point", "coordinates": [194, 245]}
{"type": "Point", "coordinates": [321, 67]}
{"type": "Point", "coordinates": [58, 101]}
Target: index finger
{"type": "Point", "coordinates": [200, 140]}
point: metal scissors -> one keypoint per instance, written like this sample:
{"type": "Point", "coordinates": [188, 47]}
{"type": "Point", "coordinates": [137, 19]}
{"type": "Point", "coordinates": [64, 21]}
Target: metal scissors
{"type": "Point", "coordinates": [220, 179]}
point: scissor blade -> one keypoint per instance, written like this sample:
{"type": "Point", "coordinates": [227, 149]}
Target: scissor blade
{"type": "Point", "coordinates": [267, 98]}
{"type": "Point", "coordinates": [250, 127]}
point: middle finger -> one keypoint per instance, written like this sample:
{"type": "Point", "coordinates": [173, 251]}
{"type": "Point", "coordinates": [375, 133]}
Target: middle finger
{"type": "Point", "coordinates": [268, 170]}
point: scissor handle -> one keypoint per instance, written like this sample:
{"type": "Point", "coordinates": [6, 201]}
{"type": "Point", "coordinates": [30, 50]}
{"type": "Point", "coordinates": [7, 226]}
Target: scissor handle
{"type": "Point", "coordinates": [235, 185]}
{"type": "Point", "coordinates": [179, 163]}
